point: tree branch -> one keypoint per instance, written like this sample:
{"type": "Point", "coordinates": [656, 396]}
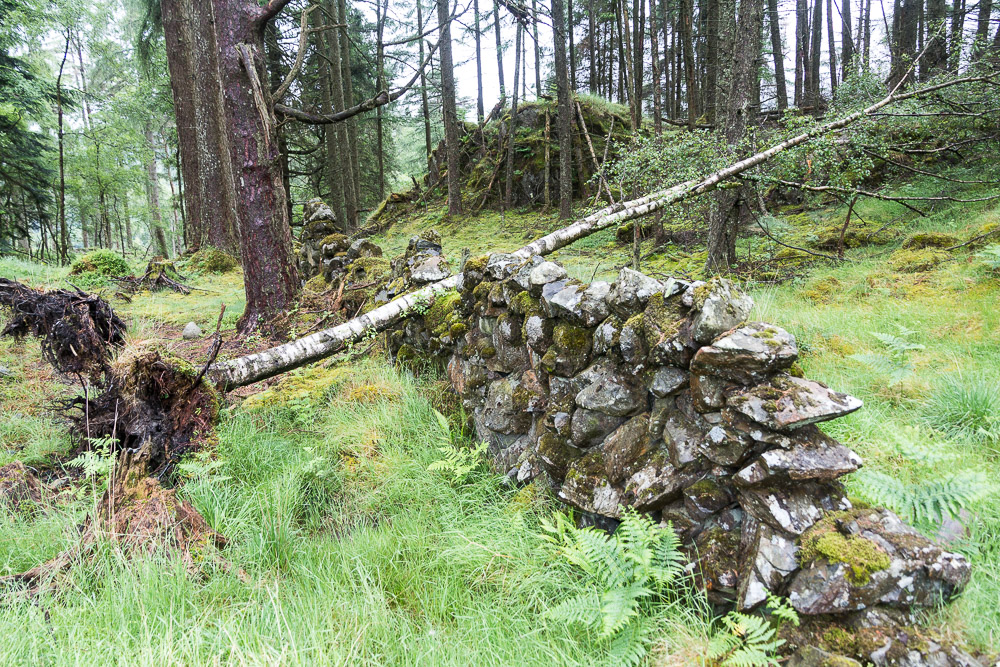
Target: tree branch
{"type": "Point", "coordinates": [269, 11]}
{"type": "Point", "coordinates": [299, 56]}
{"type": "Point", "coordinates": [382, 98]}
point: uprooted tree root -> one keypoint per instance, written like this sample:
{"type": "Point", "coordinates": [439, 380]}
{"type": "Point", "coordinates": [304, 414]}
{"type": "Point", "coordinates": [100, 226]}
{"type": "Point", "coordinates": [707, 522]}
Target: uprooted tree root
{"type": "Point", "coordinates": [151, 406]}
{"type": "Point", "coordinates": [77, 330]}
{"type": "Point", "coordinates": [161, 274]}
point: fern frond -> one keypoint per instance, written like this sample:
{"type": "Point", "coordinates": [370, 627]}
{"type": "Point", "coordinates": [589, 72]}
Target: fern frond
{"type": "Point", "coordinates": [620, 605]}
{"type": "Point", "coordinates": [584, 609]}
{"type": "Point", "coordinates": [629, 646]}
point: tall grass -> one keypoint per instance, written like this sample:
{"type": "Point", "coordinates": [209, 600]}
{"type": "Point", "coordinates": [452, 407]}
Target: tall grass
{"type": "Point", "coordinates": [966, 407]}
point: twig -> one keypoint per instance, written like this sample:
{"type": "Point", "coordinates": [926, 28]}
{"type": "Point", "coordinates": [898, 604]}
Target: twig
{"type": "Point", "coordinates": [216, 346]}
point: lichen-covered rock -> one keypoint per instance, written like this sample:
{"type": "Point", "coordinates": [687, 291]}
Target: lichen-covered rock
{"type": "Point", "coordinates": [20, 488]}
{"type": "Point", "coordinates": [430, 270]}
{"type": "Point", "coordinates": [820, 458]}
{"type": "Point", "coordinates": [747, 354]}
{"type": "Point", "coordinates": [543, 274]}
{"type": "Point", "coordinates": [629, 294]}
{"type": "Point", "coordinates": [505, 410]}
{"type": "Point", "coordinates": [708, 392]}
{"type": "Point", "coordinates": [500, 266]}
{"type": "Point", "coordinates": [788, 403]}
{"type": "Point", "coordinates": [853, 560]}
{"type": "Point", "coordinates": [706, 497]}
{"type": "Point", "coordinates": [569, 352]}
{"type": "Point", "coordinates": [612, 393]}
{"type": "Point", "coordinates": [666, 380]}
{"type": "Point", "coordinates": [772, 559]}
{"type": "Point", "coordinates": [623, 448]}
{"type": "Point", "coordinates": [656, 482]}
{"type": "Point", "coordinates": [589, 427]}
{"type": "Point", "coordinates": [810, 656]}
{"type": "Point", "coordinates": [793, 509]}
{"type": "Point", "coordinates": [580, 304]}
{"type": "Point", "coordinates": [587, 487]}
{"type": "Point", "coordinates": [720, 307]}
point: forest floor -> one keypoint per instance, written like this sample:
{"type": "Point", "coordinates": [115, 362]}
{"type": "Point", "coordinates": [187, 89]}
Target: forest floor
{"type": "Point", "coordinates": [357, 554]}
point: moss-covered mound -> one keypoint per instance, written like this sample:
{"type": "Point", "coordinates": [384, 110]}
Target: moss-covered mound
{"type": "Point", "coordinates": [101, 263]}
{"type": "Point", "coordinates": [906, 260]}
{"type": "Point", "coordinates": [212, 260]}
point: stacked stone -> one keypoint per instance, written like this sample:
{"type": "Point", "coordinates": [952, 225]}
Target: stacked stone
{"type": "Point", "coordinates": [661, 397]}
{"type": "Point", "coordinates": [325, 250]}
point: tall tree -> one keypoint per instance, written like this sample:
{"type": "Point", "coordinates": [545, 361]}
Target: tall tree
{"type": "Point", "coordinates": [480, 110]}
{"type": "Point", "coordinates": [496, 31]}
{"type": "Point", "coordinates": [564, 113]}
{"type": "Point", "coordinates": [815, 56]}
{"type": "Point", "coordinates": [935, 58]}
{"type": "Point", "coordinates": [449, 111]}
{"type": "Point", "coordinates": [153, 194]}
{"type": "Point", "coordinates": [801, 51]}
{"type": "Point", "coordinates": [847, 65]}
{"type": "Point", "coordinates": [424, 106]}
{"type": "Point", "coordinates": [734, 117]}
{"type": "Point", "coordinates": [982, 28]}
{"type": "Point", "coordinates": [512, 125]}
{"type": "Point", "coordinates": [654, 48]}
{"type": "Point", "coordinates": [687, 45]}
{"type": "Point", "coordinates": [779, 56]}
{"type": "Point", "coordinates": [832, 46]}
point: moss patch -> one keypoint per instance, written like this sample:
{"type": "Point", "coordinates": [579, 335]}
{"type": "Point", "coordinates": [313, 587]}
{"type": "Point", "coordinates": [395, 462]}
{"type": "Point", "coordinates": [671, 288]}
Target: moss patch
{"type": "Point", "coordinates": [212, 260]}
{"type": "Point", "coordinates": [824, 541]}
{"type": "Point", "coordinates": [924, 240]}
{"type": "Point", "coordinates": [915, 261]}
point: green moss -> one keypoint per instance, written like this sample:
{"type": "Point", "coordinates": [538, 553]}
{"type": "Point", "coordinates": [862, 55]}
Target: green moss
{"type": "Point", "coordinates": [458, 330]}
{"type": "Point", "coordinates": [212, 260]}
{"type": "Point", "coordinates": [480, 292]}
{"type": "Point", "coordinates": [367, 269]}
{"type": "Point", "coordinates": [317, 284]}
{"type": "Point", "coordinates": [701, 294]}
{"type": "Point", "coordinates": [101, 262]}
{"type": "Point", "coordinates": [571, 339]}
{"type": "Point", "coordinates": [915, 261]}
{"type": "Point", "coordinates": [824, 541]}
{"type": "Point", "coordinates": [443, 306]}
{"type": "Point", "coordinates": [477, 264]}
{"type": "Point", "coordinates": [525, 304]}
{"type": "Point", "coordinates": [924, 240]}
{"type": "Point", "coordinates": [340, 241]}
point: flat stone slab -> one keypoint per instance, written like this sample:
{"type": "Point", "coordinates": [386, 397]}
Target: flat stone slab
{"type": "Point", "coordinates": [746, 354]}
{"type": "Point", "coordinates": [788, 403]}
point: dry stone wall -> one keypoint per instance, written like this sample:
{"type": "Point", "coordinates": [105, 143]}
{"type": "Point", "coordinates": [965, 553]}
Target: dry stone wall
{"type": "Point", "coordinates": [663, 398]}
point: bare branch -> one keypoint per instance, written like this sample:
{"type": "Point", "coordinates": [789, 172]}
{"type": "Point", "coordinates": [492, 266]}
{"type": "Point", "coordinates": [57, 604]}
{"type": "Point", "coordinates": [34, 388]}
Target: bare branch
{"type": "Point", "coordinates": [382, 98]}
{"type": "Point", "coordinates": [269, 11]}
{"type": "Point", "coordinates": [299, 56]}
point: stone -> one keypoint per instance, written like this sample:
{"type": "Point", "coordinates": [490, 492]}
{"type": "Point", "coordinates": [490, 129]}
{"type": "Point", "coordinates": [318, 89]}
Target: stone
{"type": "Point", "coordinates": [810, 656]}
{"type": "Point", "coordinates": [556, 453]}
{"type": "Point", "coordinates": [666, 380]}
{"type": "Point", "coordinates": [191, 331]}
{"type": "Point", "coordinates": [819, 458]}
{"type": "Point", "coordinates": [430, 270]}
{"type": "Point", "coordinates": [538, 333]}
{"type": "Point", "coordinates": [854, 560]}
{"type": "Point", "coordinates": [586, 487]}
{"type": "Point", "coordinates": [5, 372]}
{"type": "Point", "coordinates": [725, 446]}
{"type": "Point", "coordinates": [569, 352]}
{"type": "Point", "coordinates": [707, 392]}
{"type": "Point", "coordinates": [721, 306]}
{"type": "Point", "coordinates": [687, 299]}
{"type": "Point", "coordinates": [655, 483]}
{"type": "Point", "coordinates": [606, 335]}
{"type": "Point", "coordinates": [501, 265]}
{"type": "Point", "coordinates": [747, 354]}
{"type": "Point", "coordinates": [788, 403]}
{"type": "Point", "coordinates": [625, 446]}
{"type": "Point", "coordinates": [793, 509]}
{"type": "Point", "coordinates": [520, 279]}
{"type": "Point", "coordinates": [683, 437]}
{"type": "Point", "coordinates": [706, 497]}
{"type": "Point", "coordinates": [632, 344]}
{"type": "Point", "coordinates": [505, 409]}
{"type": "Point", "coordinates": [716, 555]}
{"type": "Point", "coordinates": [543, 274]}
{"type": "Point", "coordinates": [20, 488]}
{"type": "Point", "coordinates": [363, 248]}
{"type": "Point", "coordinates": [589, 427]}
{"type": "Point", "coordinates": [629, 294]}
{"type": "Point", "coordinates": [772, 560]}
{"type": "Point", "coordinates": [580, 304]}
{"type": "Point", "coordinates": [612, 393]}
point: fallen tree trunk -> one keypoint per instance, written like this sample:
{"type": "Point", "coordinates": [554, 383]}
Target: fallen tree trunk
{"type": "Point", "coordinates": [262, 365]}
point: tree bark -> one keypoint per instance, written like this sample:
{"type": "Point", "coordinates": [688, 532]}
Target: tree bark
{"type": "Point", "coordinates": [832, 47]}
{"type": "Point", "coordinates": [63, 230]}
{"type": "Point", "coordinates": [982, 28]}
{"type": "Point", "coordinates": [449, 111]}
{"type": "Point", "coordinates": [564, 113]}
{"type": "Point", "coordinates": [847, 65]}
{"type": "Point", "coordinates": [816, 45]}
{"type": "Point", "coordinates": [153, 194]}
{"type": "Point", "coordinates": [779, 56]}
{"type": "Point", "coordinates": [957, 34]}
{"type": "Point", "coordinates": [936, 56]}
{"type": "Point", "coordinates": [592, 39]}
{"type": "Point", "coordinates": [687, 44]}
{"type": "Point", "coordinates": [424, 106]}
{"type": "Point", "coordinates": [480, 110]}
{"type": "Point", "coordinates": [801, 51]}
{"type": "Point", "coordinates": [570, 29]}
{"type": "Point", "coordinates": [538, 50]}
{"type": "Point", "coordinates": [638, 46]}
{"type": "Point", "coordinates": [270, 277]}
{"type": "Point", "coordinates": [734, 117]}
{"type": "Point", "coordinates": [496, 31]}
{"type": "Point", "coordinates": [352, 179]}
{"type": "Point", "coordinates": [332, 97]}
{"type": "Point", "coordinates": [654, 48]}
{"type": "Point", "coordinates": [512, 125]}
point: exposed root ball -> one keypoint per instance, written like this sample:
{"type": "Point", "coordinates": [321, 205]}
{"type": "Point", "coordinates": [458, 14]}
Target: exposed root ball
{"type": "Point", "coordinates": [77, 329]}
{"type": "Point", "coordinates": [160, 274]}
{"type": "Point", "coordinates": [150, 400]}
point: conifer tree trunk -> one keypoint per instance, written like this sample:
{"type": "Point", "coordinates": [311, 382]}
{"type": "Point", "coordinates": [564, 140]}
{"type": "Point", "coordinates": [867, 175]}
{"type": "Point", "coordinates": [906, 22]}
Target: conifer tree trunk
{"type": "Point", "coordinates": [381, 9]}
{"type": "Point", "coordinates": [332, 97]}
{"type": "Point", "coordinates": [496, 31]}
{"type": "Point", "coordinates": [480, 110]}
{"type": "Point", "coordinates": [936, 57]}
{"type": "Point", "coordinates": [512, 125]}
{"type": "Point", "coordinates": [846, 41]}
{"type": "Point", "coordinates": [638, 46]}
{"type": "Point", "coordinates": [867, 32]}
{"type": "Point", "coordinates": [270, 277]}
{"type": "Point", "coordinates": [570, 29]}
{"type": "Point", "coordinates": [982, 28]}
{"type": "Point", "coordinates": [352, 179]}
{"type": "Point", "coordinates": [538, 50]}
{"type": "Point", "coordinates": [564, 114]}
{"type": "Point", "coordinates": [779, 56]}
{"type": "Point", "coordinates": [63, 230]}
{"type": "Point", "coordinates": [816, 45]}
{"type": "Point", "coordinates": [654, 48]}
{"type": "Point", "coordinates": [424, 106]}
{"type": "Point", "coordinates": [592, 37]}
{"type": "Point", "coordinates": [687, 44]}
{"type": "Point", "coordinates": [734, 116]}
{"type": "Point", "coordinates": [449, 111]}
{"type": "Point", "coordinates": [153, 192]}
{"type": "Point", "coordinates": [832, 46]}
{"type": "Point", "coordinates": [957, 34]}
{"type": "Point", "coordinates": [801, 50]}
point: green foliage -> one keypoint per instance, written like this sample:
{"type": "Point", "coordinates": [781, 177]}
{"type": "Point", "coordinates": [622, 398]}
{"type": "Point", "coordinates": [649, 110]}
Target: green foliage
{"type": "Point", "coordinates": [101, 263]}
{"type": "Point", "coordinates": [989, 258]}
{"type": "Point", "coordinates": [744, 641]}
{"type": "Point", "coordinates": [457, 462]}
{"type": "Point", "coordinates": [624, 573]}
{"type": "Point", "coordinates": [967, 407]}
{"type": "Point", "coordinates": [894, 363]}
{"type": "Point", "coordinates": [931, 490]}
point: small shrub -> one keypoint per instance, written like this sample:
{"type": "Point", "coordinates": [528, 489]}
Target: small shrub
{"type": "Point", "coordinates": [101, 263]}
{"type": "Point", "coordinates": [989, 258]}
{"type": "Point", "coordinates": [966, 407]}
{"type": "Point", "coordinates": [212, 260]}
